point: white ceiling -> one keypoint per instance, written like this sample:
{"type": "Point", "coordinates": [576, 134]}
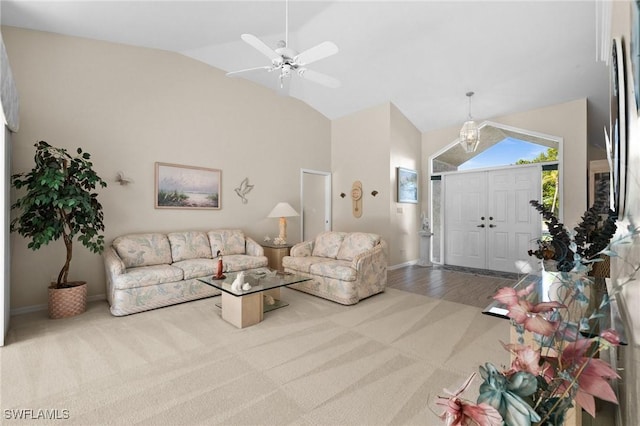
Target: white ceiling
{"type": "Point", "coordinates": [421, 55]}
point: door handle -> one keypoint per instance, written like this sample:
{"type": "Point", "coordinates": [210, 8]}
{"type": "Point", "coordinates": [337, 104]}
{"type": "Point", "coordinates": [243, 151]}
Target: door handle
{"type": "Point", "coordinates": [490, 217]}
{"type": "Point", "coordinates": [480, 226]}
{"type": "Point", "coordinates": [493, 226]}
{"type": "Point", "coordinates": [482, 218]}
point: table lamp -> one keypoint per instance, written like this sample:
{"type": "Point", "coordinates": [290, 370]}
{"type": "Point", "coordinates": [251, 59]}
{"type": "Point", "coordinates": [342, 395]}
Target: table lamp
{"type": "Point", "coordinates": [283, 211]}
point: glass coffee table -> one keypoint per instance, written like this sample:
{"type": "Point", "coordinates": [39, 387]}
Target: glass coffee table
{"type": "Point", "coordinates": [245, 308]}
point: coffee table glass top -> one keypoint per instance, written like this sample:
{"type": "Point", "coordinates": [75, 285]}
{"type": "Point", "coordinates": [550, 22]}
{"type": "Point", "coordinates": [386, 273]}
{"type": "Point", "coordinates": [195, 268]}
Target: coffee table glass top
{"type": "Point", "coordinates": [259, 281]}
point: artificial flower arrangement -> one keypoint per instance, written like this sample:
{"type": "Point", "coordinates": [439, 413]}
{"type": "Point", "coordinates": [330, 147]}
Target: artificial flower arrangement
{"type": "Point", "coordinates": [556, 367]}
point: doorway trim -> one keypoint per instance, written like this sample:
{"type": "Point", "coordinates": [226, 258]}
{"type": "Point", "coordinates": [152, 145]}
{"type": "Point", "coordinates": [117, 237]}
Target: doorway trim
{"type": "Point", "coordinates": [327, 199]}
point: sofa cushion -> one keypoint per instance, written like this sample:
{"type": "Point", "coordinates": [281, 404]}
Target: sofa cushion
{"type": "Point", "coordinates": [197, 268]}
{"type": "Point", "coordinates": [235, 262]}
{"type": "Point", "coordinates": [302, 264]}
{"type": "Point", "coordinates": [228, 241]}
{"type": "Point", "coordinates": [144, 276]}
{"type": "Point", "coordinates": [189, 245]}
{"type": "Point", "coordinates": [336, 269]}
{"type": "Point", "coordinates": [143, 249]}
{"type": "Point", "coordinates": [355, 243]}
{"type": "Point", "coordinates": [327, 244]}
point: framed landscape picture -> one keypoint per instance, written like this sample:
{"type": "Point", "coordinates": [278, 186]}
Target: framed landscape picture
{"type": "Point", "coordinates": [186, 187]}
{"type": "Point", "coordinates": [407, 182]}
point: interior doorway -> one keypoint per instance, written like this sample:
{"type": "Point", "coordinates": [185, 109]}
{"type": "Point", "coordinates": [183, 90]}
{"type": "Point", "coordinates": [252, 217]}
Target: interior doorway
{"type": "Point", "coordinates": [315, 199]}
{"type": "Point", "coordinates": [489, 223]}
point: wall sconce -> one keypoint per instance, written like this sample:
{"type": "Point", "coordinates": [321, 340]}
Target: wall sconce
{"type": "Point", "coordinates": [374, 192]}
{"type": "Point", "coordinates": [122, 179]}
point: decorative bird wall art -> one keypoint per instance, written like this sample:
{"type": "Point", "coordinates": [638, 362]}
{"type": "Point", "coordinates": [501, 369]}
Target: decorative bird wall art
{"type": "Point", "coordinates": [243, 190]}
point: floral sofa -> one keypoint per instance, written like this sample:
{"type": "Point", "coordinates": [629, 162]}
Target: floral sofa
{"type": "Point", "coordinates": [345, 267]}
{"type": "Point", "coordinates": [148, 271]}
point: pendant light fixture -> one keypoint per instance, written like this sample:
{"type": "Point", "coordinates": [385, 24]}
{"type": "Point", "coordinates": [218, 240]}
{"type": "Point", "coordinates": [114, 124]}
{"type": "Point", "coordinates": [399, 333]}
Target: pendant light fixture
{"type": "Point", "coordinates": [470, 133]}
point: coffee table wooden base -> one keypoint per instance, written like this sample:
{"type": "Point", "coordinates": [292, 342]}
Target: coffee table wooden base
{"type": "Point", "coordinates": [243, 311]}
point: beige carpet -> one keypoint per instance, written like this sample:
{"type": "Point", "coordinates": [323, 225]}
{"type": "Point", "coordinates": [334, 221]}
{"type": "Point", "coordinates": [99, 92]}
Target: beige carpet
{"type": "Point", "coordinates": [314, 362]}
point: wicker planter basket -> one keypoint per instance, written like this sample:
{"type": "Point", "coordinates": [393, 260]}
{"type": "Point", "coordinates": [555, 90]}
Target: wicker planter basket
{"type": "Point", "coordinates": [602, 269]}
{"type": "Point", "coordinates": [67, 302]}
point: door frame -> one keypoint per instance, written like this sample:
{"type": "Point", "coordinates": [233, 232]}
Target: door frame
{"type": "Point", "coordinates": [327, 199]}
{"type": "Point", "coordinates": [559, 140]}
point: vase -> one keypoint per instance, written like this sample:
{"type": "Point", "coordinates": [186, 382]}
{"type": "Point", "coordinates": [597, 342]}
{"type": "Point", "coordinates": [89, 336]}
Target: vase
{"type": "Point", "coordinates": [562, 287]}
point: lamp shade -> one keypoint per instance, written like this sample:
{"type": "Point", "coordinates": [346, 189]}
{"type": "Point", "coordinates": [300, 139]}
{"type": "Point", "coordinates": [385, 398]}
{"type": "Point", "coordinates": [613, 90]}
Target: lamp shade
{"type": "Point", "coordinates": [283, 210]}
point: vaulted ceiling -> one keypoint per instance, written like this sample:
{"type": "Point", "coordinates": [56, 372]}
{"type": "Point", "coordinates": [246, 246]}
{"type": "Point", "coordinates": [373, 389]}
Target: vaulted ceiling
{"type": "Point", "coordinates": [421, 55]}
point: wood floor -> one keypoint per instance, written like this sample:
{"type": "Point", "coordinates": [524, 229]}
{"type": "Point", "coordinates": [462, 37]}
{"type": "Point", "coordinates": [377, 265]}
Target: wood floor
{"type": "Point", "coordinates": [466, 287]}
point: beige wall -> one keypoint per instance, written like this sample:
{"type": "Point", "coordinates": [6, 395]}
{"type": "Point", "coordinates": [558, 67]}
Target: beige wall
{"type": "Point", "coordinates": [368, 146]}
{"type": "Point", "coordinates": [568, 121]}
{"type": "Point", "coordinates": [404, 218]}
{"type": "Point", "coordinates": [629, 296]}
{"type": "Point", "coordinates": [130, 107]}
{"type": "Point", "coordinates": [360, 151]}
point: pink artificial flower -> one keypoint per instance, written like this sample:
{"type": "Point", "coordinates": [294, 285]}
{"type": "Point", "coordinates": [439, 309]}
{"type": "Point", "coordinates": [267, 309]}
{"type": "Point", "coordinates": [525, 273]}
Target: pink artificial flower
{"type": "Point", "coordinates": [526, 313]}
{"type": "Point", "coordinates": [509, 295]}
{"type": "Point", "coordinates": [611, 336]}
{"type": "Point", "coordinates": [525, 358]}
{"type": "Point", "coordinates": [592, 379]}
{"type": "Point", "coordinates": [459, 412]}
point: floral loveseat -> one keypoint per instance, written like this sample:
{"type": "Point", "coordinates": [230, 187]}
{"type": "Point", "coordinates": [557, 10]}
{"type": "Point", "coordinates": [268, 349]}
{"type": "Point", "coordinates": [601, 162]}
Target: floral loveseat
{"type": "Point", "coordinates": [345, 267]}
{"type": "Point", "coordinates": [147, 271]}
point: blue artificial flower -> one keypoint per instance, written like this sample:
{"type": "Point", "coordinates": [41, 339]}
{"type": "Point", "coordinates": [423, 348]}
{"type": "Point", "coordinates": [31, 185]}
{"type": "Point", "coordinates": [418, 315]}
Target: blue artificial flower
{"type": "Point", "coordinates": [506, 395]}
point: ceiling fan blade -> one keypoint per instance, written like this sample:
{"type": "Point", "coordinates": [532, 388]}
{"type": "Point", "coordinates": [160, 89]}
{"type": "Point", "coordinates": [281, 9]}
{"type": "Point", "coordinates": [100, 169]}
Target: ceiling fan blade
{"type": "Point", "coordinates": [316, 53]}
{"type": "Point", "coordinates": [319, 78]}
{"type": "Point", "coordinates": [259, 45]}
{"type": "Point", "coordinates": [234, 73]}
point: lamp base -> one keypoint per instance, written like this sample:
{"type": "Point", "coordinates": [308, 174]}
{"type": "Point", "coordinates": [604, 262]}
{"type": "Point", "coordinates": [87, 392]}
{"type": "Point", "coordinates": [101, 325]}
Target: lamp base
{"type": "Point", "coordinates": [283, 231]}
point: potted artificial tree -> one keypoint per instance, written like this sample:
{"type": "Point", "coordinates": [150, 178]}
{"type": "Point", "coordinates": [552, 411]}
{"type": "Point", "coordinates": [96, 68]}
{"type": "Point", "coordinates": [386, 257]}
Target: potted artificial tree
{"type": "Point", "coordinates": [60, 202]}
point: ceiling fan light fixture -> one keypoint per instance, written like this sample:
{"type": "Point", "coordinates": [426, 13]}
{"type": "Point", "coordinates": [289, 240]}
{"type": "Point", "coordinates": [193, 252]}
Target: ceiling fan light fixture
{"type": "Point", "coordinates": [287, 61]}
{"type": "Point", "coordinates": [470, 132]}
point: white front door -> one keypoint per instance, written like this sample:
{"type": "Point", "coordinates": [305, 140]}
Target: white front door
{"type": "Point", "coordinates": [489, 223]}
{"type": "Point", "coordinates": [464, 209]}
{"type": "Point", "coordinates": [512, 223]}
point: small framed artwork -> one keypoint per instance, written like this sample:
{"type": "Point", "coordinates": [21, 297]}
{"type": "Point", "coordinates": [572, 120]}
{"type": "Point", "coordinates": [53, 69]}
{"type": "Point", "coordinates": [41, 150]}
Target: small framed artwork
{"type": "Point", "coordinates": [186, 187]}
{"type": "Point", "coordinates": [407, 185]}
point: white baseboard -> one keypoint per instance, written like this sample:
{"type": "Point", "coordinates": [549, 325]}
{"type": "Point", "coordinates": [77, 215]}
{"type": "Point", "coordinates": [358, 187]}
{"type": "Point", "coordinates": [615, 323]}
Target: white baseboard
{"type": "Point", "coordinates": [402, 265]}
{"type": "Point", "coordinates": [44, 307]}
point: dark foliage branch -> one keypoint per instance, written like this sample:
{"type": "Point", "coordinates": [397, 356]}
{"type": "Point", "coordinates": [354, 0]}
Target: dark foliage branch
{"type": "Point", "coordinates": [592, 234]}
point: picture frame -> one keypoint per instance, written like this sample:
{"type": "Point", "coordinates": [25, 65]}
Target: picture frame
{"type": "Point", "coordinates": [187, 187]}
{"type": "Point", "coordinates": [618, 127]}
{"type": "Point", "coordinates": [407, 185]}
{"type": "Point", "coordinates": [634, 51]}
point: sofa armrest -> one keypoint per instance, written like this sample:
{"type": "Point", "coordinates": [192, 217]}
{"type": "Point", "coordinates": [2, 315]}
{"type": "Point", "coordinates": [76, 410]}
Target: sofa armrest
{"type": "Point", "coordinates": [377, 255]}
{"type": "Point", "coordinates": [252, 248]}
{"type": "Point", "coordinates": [112, 263]}
{"type": "Point", "coordinates": [302, 249]}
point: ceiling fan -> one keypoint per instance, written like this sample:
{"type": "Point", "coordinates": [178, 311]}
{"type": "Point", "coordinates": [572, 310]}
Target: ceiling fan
{"type": "Point", "coordinates": [287, 61]}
